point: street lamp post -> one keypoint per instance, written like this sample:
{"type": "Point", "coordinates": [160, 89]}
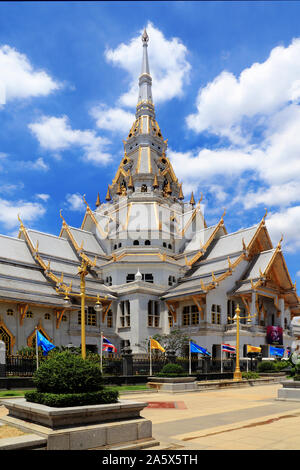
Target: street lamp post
{"type": "Point", "coordinates": [237, 373]}
{"type": "Point", "coordinates": [82, 271]}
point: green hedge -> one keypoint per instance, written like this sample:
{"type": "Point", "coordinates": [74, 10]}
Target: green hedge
{"type": "Point", "coordinates": [60, 400]}
{"type": "Point", "coordinates": [172, 370]}
{"type": "Point", "coordinates": [266, 366]}
{"type": "Point", "coordinates": [65, 372]}
{"type": "Point", "coordinates": [250, 375]}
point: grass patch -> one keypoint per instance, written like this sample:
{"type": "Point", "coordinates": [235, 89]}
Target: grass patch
{"type": "Point", "coordinates": [12, 393]}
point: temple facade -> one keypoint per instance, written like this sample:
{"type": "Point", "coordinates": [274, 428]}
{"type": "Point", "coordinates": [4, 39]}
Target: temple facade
{"type": "Point", "coordinates": [152, 260]}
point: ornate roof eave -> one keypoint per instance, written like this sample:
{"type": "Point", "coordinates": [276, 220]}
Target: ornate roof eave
{"type": "Point", "coordinates": [209, 241]}
{"type": "Point", "coordinates": [79, 249]}
{"type": "Point", "coordinates": [34, 251]}
{"type": "Point", "coordinates": [91, 214]}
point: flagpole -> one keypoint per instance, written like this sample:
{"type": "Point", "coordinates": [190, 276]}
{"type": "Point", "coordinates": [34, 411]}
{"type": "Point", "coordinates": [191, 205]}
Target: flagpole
{"type": "Point", "coordinates": [36, 350]}
{"type": "Point", "coordinates": [221, 359]}
{"type": "Point", "coordinates": [150, 357]}
{"type": "Point", "coordinates": [101, 352]}
{"type": "Point", "coordinates": [190, 359]}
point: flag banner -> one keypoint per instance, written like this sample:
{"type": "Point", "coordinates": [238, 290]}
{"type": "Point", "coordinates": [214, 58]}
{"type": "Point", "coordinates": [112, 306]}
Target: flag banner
{"type": "Point", "coordinates": [253, 349]}
{"type": "Point", "coordinates": [276, 351]}
{"type": "Point", "coordinates": [107, 345]}
{"type": "Point", "coordinates": [228, 348]}
{"type": "Point", "coordinates": [44, 343]}
{"type": "Point", "coordinates": [274, 335]}
{"type": "Point", "coordinates": [197, 349]}
{"type": "Point", "coordinates": [155, 345]}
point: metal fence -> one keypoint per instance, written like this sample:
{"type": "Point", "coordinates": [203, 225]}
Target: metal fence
{"type": "Point", "coordinates": [22, 366]}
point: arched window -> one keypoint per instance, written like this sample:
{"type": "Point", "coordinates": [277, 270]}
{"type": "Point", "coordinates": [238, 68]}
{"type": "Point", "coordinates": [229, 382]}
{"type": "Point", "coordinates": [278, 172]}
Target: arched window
{"type": "Point", "coordinates": [144, 188]}
{"type": "Point", "coordinates": [120, 244]}
{"type": "Point", "coordinates": [147, 242]}
{"type": "Point", "coordinates": [164, 245]}
{"type": "Point", "coordinates": [136, 242]}
{"type": "Point", "coordinates": [170, 246]}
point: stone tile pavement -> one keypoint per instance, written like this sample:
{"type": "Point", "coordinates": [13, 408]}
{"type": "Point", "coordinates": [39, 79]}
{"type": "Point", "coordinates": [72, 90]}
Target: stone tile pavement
{"type": "Point", "coordinates": [227, 419]}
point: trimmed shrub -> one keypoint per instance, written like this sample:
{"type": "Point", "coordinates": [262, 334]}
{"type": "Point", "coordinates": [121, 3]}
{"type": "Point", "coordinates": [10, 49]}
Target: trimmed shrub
{"type": "Point", "coordinates": [68, 373]}
{"type": "Point", "coordinates": [250, 375]}
{"type": "Point", "coordinates": [60, 400]}
{"type": "Point", "coordinates": [171, 370]}
{"type": "Point", "coordinates": [266, 366]}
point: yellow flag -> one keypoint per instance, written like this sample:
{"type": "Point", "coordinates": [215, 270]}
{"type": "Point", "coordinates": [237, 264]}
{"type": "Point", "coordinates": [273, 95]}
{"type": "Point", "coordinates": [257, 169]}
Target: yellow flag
{"type": "Point", "coordinates": [155, 345]}
{"type": "Point", "coordinates": [253, 349]}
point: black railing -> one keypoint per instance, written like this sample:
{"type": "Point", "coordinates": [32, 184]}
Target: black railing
{"type": "Point", "coordinates": [22, 366]}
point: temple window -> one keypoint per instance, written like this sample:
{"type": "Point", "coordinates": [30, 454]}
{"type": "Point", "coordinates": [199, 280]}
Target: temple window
{"type": "Point", "coordinates": [147, 242]}
{"type": "Point", "coordinates": [144, 188]}
{"type": "Point", "coordinates": [136, 242]}
{"type": "Point", "coordinates": [10, 312]}
{"type": "Point", "coordinates": [120, 245]}
{"type": "Point", "coordinates": [190, 315]}
{"type": "Point", "coordinates": [91, 316]}
{"type": "Point", "coordinates": [115, 247]}
{"type": "Point", "coordinates": [109, 319]}
{"type": "Point", "coordinates": [29, 315]}
{"type": "Point", "coordinates": [130, 278]}
{"type": "Point", "coordinates": [171, 280]}
{"type": "Point", "coordinates": [153, 313]}
{"type": "Point", "coordinates": [125, 313]}
{"type": "Point", "coordinates": [147, 278]}
{"type": "Point", "coordinates": [6, 338]}
{"type": "Point", "coordinates": [47, 316]}
{"type": "Point", "coordinates": [216, 314]}
{"type": "Point", "coordinates": [164, 245]}
{"type": "Point", "coordinates": [108, 281]}
{"type": "Point", "coordinates": [170, 246]}
{"type": "Point", "coordinates": [171, 320]}
{"type": "Point", "coordinates": [64, 318]}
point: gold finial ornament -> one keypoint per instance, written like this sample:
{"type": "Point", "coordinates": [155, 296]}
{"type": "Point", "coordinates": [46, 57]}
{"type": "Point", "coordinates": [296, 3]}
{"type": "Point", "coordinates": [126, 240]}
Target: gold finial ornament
{"type": "Point", "coordinates": [180, 196]}
{"type": "Point", "coordinates": [155, 182]}
{"type": "Point", "coordinates": [192, 200]}
{"type": "Point", "coordinates": [130, 182]}
{"type": "Point", "coordinates": [168, 188]}
{"type": "Point", "coordinates": [145, 37]}
{"type": "Point", "coordinates": [98, 203]}
{"type": "Point", "coordinates": [108, 196]}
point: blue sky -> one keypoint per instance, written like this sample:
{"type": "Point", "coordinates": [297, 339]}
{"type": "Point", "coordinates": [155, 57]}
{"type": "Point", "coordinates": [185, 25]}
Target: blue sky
{"type": "Point", "coordinates": [226, 85]}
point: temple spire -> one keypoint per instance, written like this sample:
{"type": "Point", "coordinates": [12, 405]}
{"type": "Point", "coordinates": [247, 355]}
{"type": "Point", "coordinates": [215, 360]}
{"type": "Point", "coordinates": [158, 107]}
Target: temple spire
{"type": "Point", "coordinates": [145, 81]}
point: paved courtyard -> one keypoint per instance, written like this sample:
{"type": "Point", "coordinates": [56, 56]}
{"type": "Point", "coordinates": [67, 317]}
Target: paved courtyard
{"type": "Point", "coordinates": [234, 419]}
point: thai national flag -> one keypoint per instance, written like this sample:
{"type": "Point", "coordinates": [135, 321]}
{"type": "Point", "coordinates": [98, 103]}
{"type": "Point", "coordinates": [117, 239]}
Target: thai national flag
{"type": "Point", "coordinates": [107, 345]}
{"type": "Point", "coordinates": [228, 348]}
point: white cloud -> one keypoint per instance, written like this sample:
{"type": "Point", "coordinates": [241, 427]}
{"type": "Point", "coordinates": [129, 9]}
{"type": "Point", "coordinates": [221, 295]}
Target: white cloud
{"type": "Point", "coordinates": [285, 222]}
{"type": "Point", "coordinates": [112, 119]}
{"type": "Point", "coordinates": [9, 210]}
{"type": "Point", "coordinates": [55, 134]}
{"type": "Point", "coordinates": [42, 196]}
{"type": "Point", "coordinates": [75, 202]}
{"type": "Point", "coordinates": [19, 79]}
{"type": "Point", "coordinates": [169, 66]}
{"type": "Point", "coordinates": [261, 89]}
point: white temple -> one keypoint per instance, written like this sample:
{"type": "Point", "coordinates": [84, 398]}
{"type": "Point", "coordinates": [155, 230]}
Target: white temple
{"type": "Point", "coordinates": [151, 258]}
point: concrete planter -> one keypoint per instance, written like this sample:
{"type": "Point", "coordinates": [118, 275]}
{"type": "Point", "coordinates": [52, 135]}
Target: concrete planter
{"type": "Point", "coordinates": [290, 390]}
{"type": "Point", "coordinates": [70, 416]}
{"type": "Point", "coordinates": [83, 427]}
{"type": "Point", "coordinates": [173, 384]}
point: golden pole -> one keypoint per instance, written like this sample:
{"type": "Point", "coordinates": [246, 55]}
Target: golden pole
{"type": "Point", "coordinates": [237, 373]}
{"type": "Point", "coordinates": [83, 273]}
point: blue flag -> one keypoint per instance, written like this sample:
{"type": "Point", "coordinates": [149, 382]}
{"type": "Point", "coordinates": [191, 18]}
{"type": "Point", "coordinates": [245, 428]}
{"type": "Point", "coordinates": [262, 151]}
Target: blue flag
{"type": "Point", "coordinates": [44, 343]}
{"type": "Point", "coordinates": [276, 351]}
{"type": "Point", "coordinates": [197, 349]}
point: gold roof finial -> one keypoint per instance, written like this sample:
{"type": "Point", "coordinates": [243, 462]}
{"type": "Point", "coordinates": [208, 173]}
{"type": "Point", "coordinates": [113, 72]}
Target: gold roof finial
{"type": "Point", "coordinates": [192, 200]}
{"type": "Point", "coordinates": [155, 182]}
{"type": "Point", "coordinates": [119, 191]}
{"type": "Point", "coordinates": [168, 188]}
{"type": "Point", "coordinates": [98, 203]}
{"type": "Point", "coordinates": [180, 196]}
{"type": "Point", "coordinates": [280, 241]}
{"type": "Point", "coordinates": [108, 197]}
{"type": "Point", "coordinates": [130, 182]}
